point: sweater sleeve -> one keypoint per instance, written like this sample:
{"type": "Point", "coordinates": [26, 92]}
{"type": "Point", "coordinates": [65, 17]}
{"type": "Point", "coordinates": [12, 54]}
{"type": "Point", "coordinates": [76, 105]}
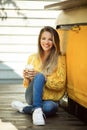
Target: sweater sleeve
{"type": "Point", "coordinates": [57, 80]}
{"type": "Point", "coordinates": [25, 82]}
{"type": "Point", "coordinates": [29, 61]}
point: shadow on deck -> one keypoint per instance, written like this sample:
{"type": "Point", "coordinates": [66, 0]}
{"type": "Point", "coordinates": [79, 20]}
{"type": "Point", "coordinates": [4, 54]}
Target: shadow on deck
{"type": "Point", "coordinates": [62, 121]}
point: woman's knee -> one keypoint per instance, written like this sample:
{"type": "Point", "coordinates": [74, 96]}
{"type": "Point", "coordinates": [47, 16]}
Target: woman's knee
{"type": "Point", "coordinates": [40, 76]}
{"type": "Point", "coordinates": [50, 108]}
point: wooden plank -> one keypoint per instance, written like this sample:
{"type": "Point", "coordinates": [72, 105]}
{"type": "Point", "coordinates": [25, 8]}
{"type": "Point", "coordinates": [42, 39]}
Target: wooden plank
{"type": "Point", "coordinates": [18, 57]}
{"type": "Point", "coordinates": [11, 74]}
{"type": "Point", "coordinates": [12, 65]}
{"type": "Point", "coordinates": [11, 81]}
{"type": "Point", "coordinates": [17, 48]}
{"type": "Point", "coordinates": [12, 87]}
{"type": "Point", "coordinates": [30, 14]}
{"type": "Point", "coordinates": [18, 40]}
{"type": "Point", "coordinates": [25, 4]}
{"type": "Point", "coordinates": [12, 22]}
{"type": "Point", "coordinates": [19, 31]}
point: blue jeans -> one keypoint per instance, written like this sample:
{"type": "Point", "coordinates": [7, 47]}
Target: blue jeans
{"type": "Point", "coordinates": [33, 97]}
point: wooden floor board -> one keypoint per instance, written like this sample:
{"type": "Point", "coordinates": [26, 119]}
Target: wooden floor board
{"type": "Point", "coordinates": [62, 121]}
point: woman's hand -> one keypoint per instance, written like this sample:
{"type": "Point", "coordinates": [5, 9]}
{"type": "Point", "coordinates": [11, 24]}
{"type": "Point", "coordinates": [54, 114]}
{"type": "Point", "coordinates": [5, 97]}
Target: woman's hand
{"type": "Point", "coordinates": [29, 74]}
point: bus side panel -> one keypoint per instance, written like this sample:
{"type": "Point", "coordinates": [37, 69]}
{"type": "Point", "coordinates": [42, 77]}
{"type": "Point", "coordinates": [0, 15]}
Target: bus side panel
{"type": "Point", "coordinates": [76, 59]}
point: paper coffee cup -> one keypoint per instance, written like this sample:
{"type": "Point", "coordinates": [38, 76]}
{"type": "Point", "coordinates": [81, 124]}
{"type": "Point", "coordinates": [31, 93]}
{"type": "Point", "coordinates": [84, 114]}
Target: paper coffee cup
{"type": "Point", "coordinates": [29, 67]}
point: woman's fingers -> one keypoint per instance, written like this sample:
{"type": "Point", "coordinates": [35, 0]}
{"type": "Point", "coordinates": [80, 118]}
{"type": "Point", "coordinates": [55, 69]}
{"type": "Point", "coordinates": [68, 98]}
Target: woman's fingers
{"type": "Point", "coordinates": [29, 73]}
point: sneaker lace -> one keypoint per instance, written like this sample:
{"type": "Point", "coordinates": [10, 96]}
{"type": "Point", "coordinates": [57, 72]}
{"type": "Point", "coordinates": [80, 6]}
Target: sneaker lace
{"type": "Point", "coordinates": [40, 114]}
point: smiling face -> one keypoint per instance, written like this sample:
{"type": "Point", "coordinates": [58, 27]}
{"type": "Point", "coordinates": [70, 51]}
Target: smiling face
{"type": "Point", "coordinates": [46, 41]}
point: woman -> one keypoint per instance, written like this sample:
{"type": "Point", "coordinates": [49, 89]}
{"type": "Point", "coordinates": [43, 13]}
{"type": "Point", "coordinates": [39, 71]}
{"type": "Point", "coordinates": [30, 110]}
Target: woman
{"type": "Point", "coordinates": [45, 82]}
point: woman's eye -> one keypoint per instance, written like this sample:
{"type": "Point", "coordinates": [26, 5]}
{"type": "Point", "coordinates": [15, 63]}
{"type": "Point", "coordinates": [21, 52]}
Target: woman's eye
{"type": "Point", "coordinates": [50, 40]}
{"type": "Point", "coordinates": [43, 38]}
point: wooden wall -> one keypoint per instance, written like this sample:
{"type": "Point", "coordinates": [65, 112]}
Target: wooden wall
{"type": "Point", "coordinates": [20, 23]}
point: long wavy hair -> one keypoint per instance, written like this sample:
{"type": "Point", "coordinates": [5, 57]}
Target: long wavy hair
{"type": "Point", "coordinates": [51, 61]}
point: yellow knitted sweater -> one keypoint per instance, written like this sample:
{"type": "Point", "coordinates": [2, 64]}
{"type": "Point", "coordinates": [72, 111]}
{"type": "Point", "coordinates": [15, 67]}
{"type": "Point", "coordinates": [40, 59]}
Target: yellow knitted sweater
{"type": "Point", "coordinates": [55, 85]}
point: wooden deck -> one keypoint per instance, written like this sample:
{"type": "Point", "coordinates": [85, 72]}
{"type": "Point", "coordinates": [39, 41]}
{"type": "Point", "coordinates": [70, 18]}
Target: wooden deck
{"type": "Point", "coordinates": [62, 121]}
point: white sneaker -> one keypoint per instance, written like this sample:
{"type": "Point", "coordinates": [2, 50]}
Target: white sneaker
{"type": "Point", "coordinates": [18, 106]}
{"type": "Point", "coordinates": [37, 117]}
